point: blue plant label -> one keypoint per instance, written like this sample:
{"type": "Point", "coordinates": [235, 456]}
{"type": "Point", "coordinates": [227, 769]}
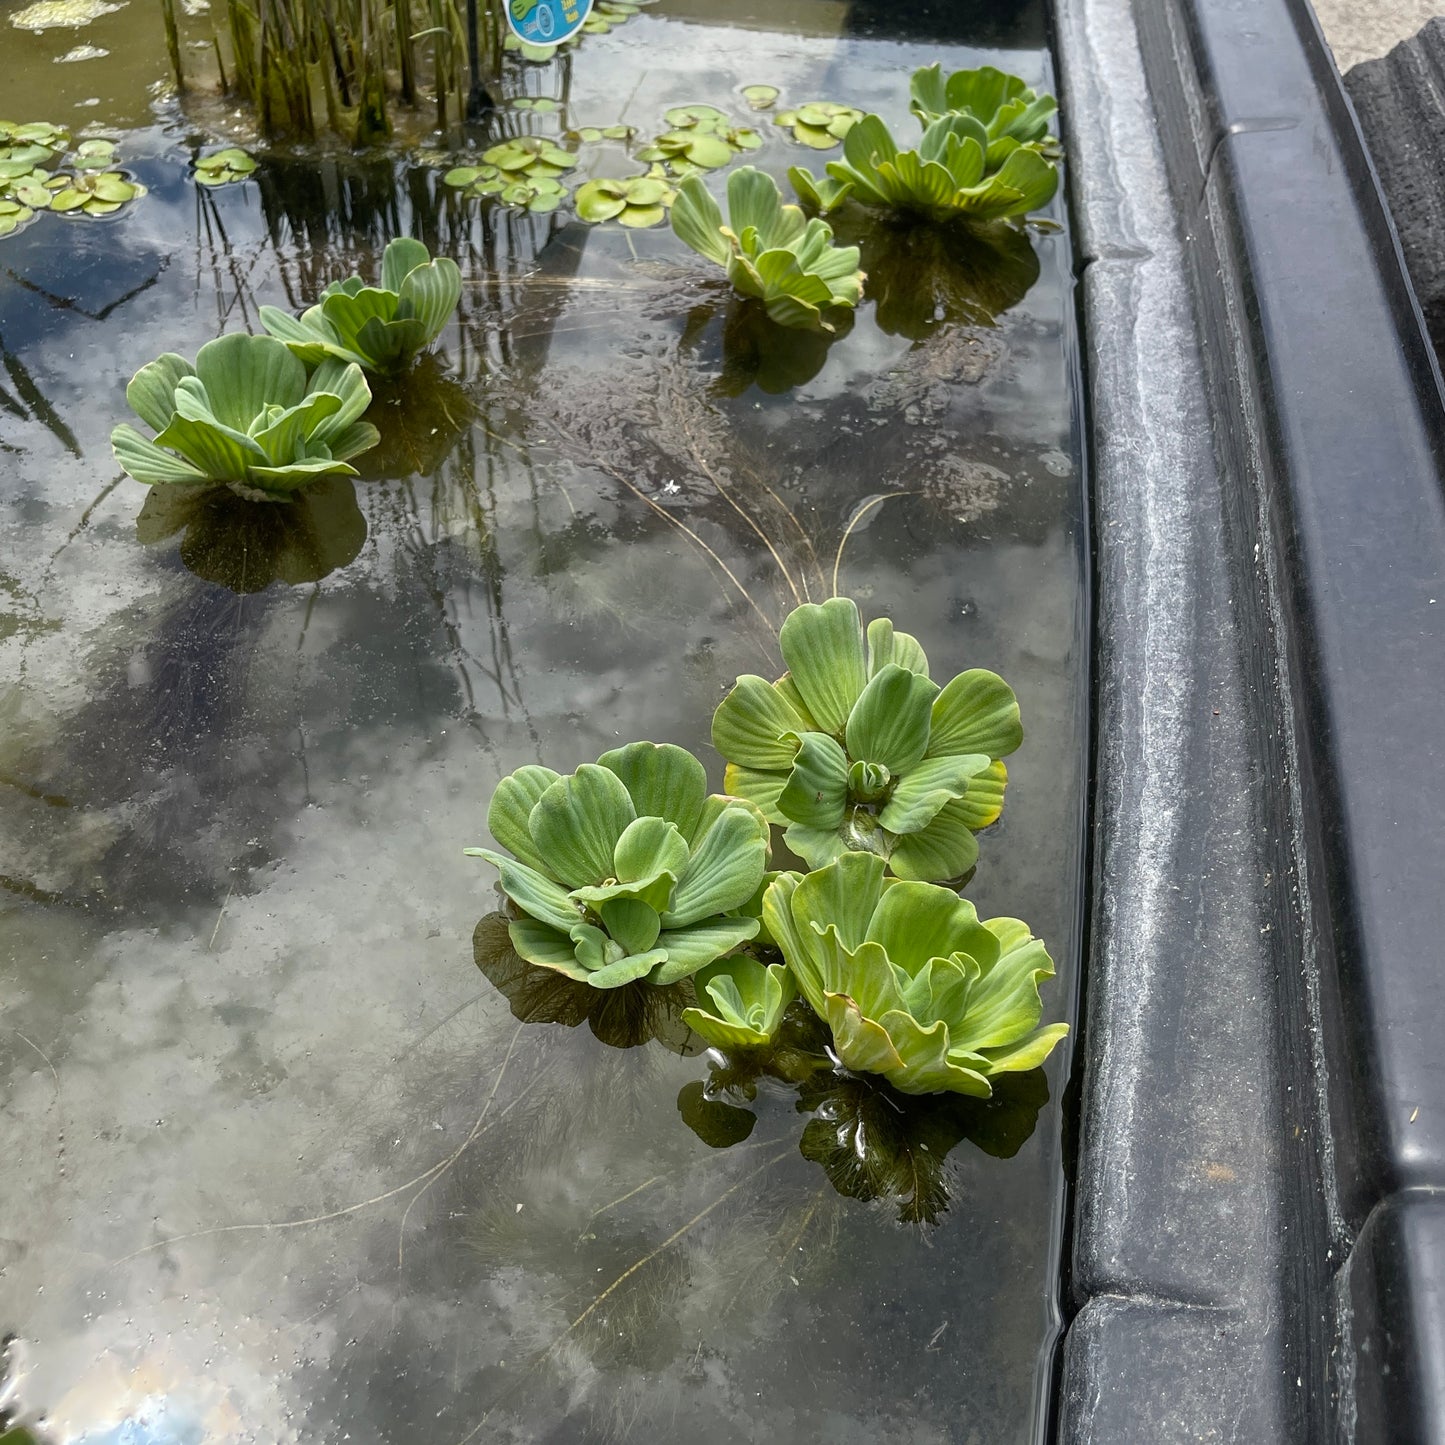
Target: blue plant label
{"type": "Point", "coordinates": [546, 22]}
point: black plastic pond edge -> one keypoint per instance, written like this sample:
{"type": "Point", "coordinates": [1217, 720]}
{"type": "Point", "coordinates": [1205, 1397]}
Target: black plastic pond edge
{"type": "Point", "coordinates": [1260, 1206]}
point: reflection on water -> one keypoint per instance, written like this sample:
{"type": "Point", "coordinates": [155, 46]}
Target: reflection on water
{"type": "Point", "coordinates": [928, 279]}
{"type": "Point", "coordinates": [246, 545]}
{"type": "Point", "coordinates": [756, 351]}
{"type": "Point", "coordinates": [288, 1161]}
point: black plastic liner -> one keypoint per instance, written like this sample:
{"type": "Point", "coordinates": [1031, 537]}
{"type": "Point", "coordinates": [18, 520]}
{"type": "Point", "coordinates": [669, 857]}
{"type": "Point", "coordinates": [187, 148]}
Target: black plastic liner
{"type": "Point", "coordinates": [1322, 1317]}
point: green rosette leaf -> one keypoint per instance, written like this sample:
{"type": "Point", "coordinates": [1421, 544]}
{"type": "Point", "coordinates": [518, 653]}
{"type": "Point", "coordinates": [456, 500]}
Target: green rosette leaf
{"type": "Point", "coordinates": [244, 414]}
{"type": "Point", "coordinates": [978, 166]}
{"type": "Point", "coordinates": [857, 750]}
{"type": "Point", "coordinates": [380, 328]}
{"type": "Point", "coordinates": [627, 869]}
{"type": "Point", "coordinates": [741, 1002]}
{"type": "Point", "coordinates": [912, 984]}
{"type": "Point", "coordinates": [771, 252]}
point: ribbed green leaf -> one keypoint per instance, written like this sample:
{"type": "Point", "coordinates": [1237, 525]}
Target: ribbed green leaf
{"type": "Point", "coordinates": [752, 725]}
{"type": "Point", "coordinates": [867, 145]}
{"type": "Point", "coordinates": [283, 441]}
{"type": "Point", "coordinates": [218, 453]}
{"type": "Point", "coordinates": [147, 463]}
{"type": "Point", "coordinates": [650, 847]}
{"type": "Point", "coordinates": [819, 193]}
{"type": "Point", "coordinates": [534, 893]}
{"type": "Point", "coordinates": [697, 221]}
{"type": "Point", "coordinates": [401, 257]}
{"type": "Point", "coordinates": [309, 341]}
{"type": "Point", "coordinates": [359, 437]}
{"type": "Point", "coordinates": [823, 647]}
{"type": "Point", "coordinates": [576, 823]}
{"type": "Point", "coordinates": [760, 788]}
{"type": "Point", "coordinates": [663, 780]}
{"type": "Point", "coordinates": [916, 922]}
{"type": "Point", "coordinates": [151, 393]}
{"type": "Point", "coordinates": [889, 723]}
{"type": "Point", "coordinates": [885, 646]}
{"type": "Point", "coordinates": [633, 923]}
{"type": "Point", "coordinates": [942, 849]}
{"type": "Point", "coordinates": [294, 475]}
{"type": "Point", "coordinates": [817, 847]}
{"type": "Point", "coordinates": [546, 948]}
{"type": "Point", "coordinates": [243, 374]}
{"type": "Point", "coordinates": [689, 949]}
{"type": "Point", "coordinates": [976, 712]}
{"type": "Point", "coordinates": [816, 792]}
{"type": "Point", "coordinates": [726, 866]}
{"type": "Point", "coordinates": [511, 806]}
{"type": "Point", "coordinates": [925, 789]}
{"type": "Point", "coordinates": [430, 294]}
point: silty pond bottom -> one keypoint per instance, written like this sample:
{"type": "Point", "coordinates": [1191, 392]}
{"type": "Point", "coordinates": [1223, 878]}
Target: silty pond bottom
{"type": "Point", "coordinates": [284, 1165]}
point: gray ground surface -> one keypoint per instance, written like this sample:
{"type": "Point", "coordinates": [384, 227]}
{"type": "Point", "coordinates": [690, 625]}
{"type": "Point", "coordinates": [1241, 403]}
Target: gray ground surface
{"type": "Point", "coordinates": [1363, 29]}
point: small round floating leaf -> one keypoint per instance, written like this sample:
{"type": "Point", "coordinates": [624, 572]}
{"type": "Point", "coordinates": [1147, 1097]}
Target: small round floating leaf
{"type": "Point", "coordinates": [463, 175]}
{"type": "Point", "coordinates": [618, 132]}
{"type": "Point", "coordinates": [638, 218]}
{"type": "Point", "coordinates": [819, 138]}
{"type": "Point", "coordinates": [600, 200]}
{"type": "Point", "coordinates": [645, 191]}
{"type": "Point", "coordinates": [588, 133]}
{"type": "Point", "coordinates": [113, 188]}
{"type": "Point", "coordinates": [760, 97]}
{"type": "Point", "coordinates": [68, 199]}
{"type": "Point", "coordinates": [708, 151]}
{"type": "Point", "coordinates": [681, 117]}
{"type": "Point", "coordinates": [541, 203]}
{"type": "Point", "coordinates": [96, 207]}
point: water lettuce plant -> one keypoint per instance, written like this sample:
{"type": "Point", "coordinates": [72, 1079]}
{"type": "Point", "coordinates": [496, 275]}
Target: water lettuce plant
{"type": "Point", "coordinates": [955, 173]}
{"type": "Point", "coordinates": [637, 202]}
{"type": "Point", "coordinates": [1009, 110]}
{"type": "Point", "coordinates": [626, 869]}
{"type": "Point", "coordinates": [740, 1002]}
{"type": "Point", "coordinates": [856, 749]}
{"type": "Point", "coordinates": [246, 414]}
{"type": "Point", "coordinates": [912, 984]}
{"type": "Point", "coordinates": [770, 251]}
{"type": "Point", "coordinates": [380, 328]}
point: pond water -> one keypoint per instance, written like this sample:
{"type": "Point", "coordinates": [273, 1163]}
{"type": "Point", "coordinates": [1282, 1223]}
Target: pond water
{"type": "Point", "coordinates": [283, 1164]}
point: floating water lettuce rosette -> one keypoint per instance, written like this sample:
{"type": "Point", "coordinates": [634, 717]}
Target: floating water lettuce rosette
{"type": "Point", "coordinates": [245, 414]}
{"type": "Point", "coordinates": [626, 869]}
{"type": "Point", "coordinates": [912, 983]}
{"type": "Point", "coordinates": [379, 328]}
{"type": "Point", "coordinates": [857, 749]}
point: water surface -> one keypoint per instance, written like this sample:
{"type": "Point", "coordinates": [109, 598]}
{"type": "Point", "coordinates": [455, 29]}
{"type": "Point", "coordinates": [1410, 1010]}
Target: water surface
{"type": "Point", "coordinates": [284, 1166]}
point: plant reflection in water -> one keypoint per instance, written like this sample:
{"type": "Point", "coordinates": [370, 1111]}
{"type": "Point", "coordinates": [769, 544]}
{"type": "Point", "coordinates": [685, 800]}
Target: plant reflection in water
{"type": "Point", "coordinates": [871, 1141]}
{"type": "Point", "coordinates": [247, 545]}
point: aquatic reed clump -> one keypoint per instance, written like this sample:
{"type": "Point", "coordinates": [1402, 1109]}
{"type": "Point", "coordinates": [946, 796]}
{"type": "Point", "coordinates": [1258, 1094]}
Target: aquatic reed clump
{"type": "Point", "coordinates": [307, 67]}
